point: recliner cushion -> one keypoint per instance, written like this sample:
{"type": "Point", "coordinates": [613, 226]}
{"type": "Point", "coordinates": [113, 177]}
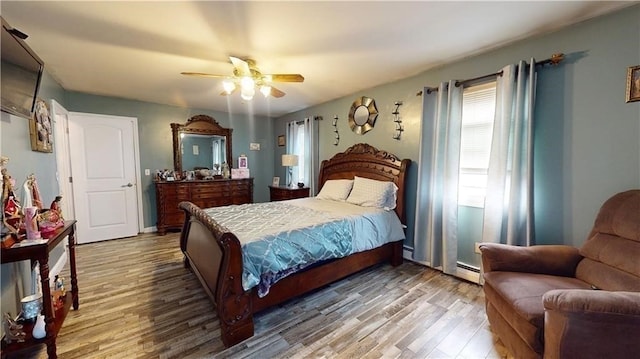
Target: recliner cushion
{"type": "Point", "coordinates": [613, 246]}
{"type": "Point", "coordinates": [620, 216]}
{"type": "Point", "coordinates": [518, 298]}
{"type": "Point", "coordinates": [610, 263]}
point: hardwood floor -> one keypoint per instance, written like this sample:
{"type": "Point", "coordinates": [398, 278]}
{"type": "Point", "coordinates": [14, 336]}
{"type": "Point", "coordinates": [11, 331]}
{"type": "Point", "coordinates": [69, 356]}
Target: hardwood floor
{"type": "Point", "coordinates": [138, 301]}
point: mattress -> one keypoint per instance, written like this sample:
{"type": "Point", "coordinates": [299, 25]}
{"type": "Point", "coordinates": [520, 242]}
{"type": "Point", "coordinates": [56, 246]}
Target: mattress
{"type": "Point", "coordinates": [281, 238]}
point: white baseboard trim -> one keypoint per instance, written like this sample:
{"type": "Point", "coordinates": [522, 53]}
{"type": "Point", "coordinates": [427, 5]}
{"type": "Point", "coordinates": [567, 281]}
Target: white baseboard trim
{"type": "Point", "coordinates": [57, 268]}
{"type": "Point", "coordinates": [471, 276]}
{"type": "Point", "coordinates": [407, 253]}
{"type": "Point", "coordinates": [466, 274]}
{"type": "Point", "coordinates": [150, 229]}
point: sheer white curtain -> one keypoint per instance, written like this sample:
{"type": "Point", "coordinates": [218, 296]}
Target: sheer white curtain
{"type": "Point", "coordinates": [293, 148]}
{"type": "Point", "coordinates": [302, 140]}
{"type": "Point", "coordinates": [508, 211]}
{"type": "Point", "coordinates": [436, 229]}
{"type": "Point", "coordinates": [310, 176]}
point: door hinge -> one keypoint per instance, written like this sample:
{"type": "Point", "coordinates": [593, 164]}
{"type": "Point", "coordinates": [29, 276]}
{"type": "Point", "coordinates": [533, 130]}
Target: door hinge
{"type": "Point", "coordinates": [70, 179]}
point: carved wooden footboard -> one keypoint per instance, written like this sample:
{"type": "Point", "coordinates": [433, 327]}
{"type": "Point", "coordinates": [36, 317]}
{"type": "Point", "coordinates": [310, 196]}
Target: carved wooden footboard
{"type": "Point", "coordinates": [214, 254]}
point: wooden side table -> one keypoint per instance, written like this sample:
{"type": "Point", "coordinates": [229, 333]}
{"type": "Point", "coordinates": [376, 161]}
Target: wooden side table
{"type": "Point", "coordinates": [53, 319]}
{"type": "Point", "coordinates": [282, 193]}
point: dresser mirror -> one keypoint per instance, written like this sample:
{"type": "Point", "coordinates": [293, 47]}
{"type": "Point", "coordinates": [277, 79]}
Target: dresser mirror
{"type": "Point", "coordinates": [200, 143]}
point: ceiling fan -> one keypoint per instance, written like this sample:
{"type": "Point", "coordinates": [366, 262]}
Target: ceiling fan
{"type": "Point", "coordinates": [248, 77]}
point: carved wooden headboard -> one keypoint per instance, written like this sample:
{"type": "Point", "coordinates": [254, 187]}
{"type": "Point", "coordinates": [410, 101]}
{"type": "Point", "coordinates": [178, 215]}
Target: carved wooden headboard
{"type": "Point", "coordinates": [364, 160]}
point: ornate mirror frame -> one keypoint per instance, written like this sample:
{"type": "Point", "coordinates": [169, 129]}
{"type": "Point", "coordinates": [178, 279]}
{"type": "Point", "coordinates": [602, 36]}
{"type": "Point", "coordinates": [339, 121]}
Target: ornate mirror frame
{"type": "Point", "coordinates": [200, 125]}
{"type": "Point", "coordinates": [357, 122]}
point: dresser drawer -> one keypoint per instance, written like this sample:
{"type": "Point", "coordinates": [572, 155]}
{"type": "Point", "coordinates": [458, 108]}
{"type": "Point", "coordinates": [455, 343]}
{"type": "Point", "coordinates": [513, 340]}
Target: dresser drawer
{"type": "Point", "coordinates": [174, 219]}
{"type": "Point", "coordinates": [241, 185]}
{"type": "Point", "coordinates": [170, 189]}
{"type": "Point", "coordinates": [209, 188]}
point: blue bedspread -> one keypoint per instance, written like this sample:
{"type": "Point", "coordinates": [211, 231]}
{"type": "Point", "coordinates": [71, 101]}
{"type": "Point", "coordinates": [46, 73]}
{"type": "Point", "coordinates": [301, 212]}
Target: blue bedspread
{"type": "Point", "coordinates": [280, 238]}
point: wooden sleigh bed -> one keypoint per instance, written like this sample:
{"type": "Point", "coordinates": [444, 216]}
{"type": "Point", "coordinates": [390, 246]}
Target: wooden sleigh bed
{"type": "Point", "coordinates": [215, 254]}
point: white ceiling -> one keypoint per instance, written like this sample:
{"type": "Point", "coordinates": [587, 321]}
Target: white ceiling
{"type": "Point", "coordinates": [136, 50]}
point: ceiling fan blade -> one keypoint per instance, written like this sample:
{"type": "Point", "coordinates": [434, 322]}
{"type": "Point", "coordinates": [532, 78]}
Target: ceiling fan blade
{"type": "Point", "coordinates": [276, 93]}
{"type": "Point", "coordinates": [202, 74]}
{"type": "Point", "coordinates": [241, 66]}
{"type": "Point", "coordinates": [286, 77]}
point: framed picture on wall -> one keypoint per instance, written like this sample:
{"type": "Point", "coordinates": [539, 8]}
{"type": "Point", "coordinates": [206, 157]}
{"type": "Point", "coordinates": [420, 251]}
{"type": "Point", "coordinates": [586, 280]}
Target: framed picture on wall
{"type": "Point", "coordinates": [633, 83]}
{"type": "Point", "coordinates": [41, 128]}
{"type": "Point", "coordinates": [281, 141]}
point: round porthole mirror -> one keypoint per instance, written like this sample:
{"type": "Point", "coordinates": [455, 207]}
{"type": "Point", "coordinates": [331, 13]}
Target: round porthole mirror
{"type": "Point", "coordinates": [363, 114]}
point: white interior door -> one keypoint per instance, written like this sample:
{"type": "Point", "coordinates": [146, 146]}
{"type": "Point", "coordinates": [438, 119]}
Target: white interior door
{"type": "Point", "coordinates": [105, 175]}
{"type": "Point", "coordinates": [60, 117]}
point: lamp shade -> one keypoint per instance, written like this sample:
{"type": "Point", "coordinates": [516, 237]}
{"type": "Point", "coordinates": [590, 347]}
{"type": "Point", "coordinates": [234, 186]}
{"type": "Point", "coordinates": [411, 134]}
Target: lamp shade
{"type": "Point", "coordinates": [289, 160]}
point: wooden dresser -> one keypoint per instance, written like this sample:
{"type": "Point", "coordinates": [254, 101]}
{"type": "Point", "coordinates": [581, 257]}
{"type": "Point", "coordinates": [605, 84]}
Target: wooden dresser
{"type": "Point", "coordinates": [204, 194]}
{"type": "Point", "coordinates": [282, 193]}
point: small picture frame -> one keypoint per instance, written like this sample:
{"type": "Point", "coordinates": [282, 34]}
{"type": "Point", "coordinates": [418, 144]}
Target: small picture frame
{"type": "Point", "coordinates": [275, 182]}
{"type": "Point", "coordinates": [281, 141]}
{"type": "Point", "coordinates": [633, 84]}
{"type": "Point", "coordinates": [242, 162]}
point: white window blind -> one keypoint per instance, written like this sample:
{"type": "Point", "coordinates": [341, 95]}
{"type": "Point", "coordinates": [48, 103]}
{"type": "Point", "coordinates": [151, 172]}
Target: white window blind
{"type": "Point", "coordinates": [478, 110]}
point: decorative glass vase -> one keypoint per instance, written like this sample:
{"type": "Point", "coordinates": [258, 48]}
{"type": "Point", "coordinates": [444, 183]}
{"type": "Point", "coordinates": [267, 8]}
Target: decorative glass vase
{"type": "Point", "coordinates": [39, 330]}
{"type": "Point", "coordinates": [226, 172]}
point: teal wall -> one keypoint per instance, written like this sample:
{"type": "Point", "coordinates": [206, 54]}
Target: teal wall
{"type": "Point", "coordinates": [15, 144]}
{"type": "Point", "coordinates": [587, 145]}
{"type": "Point", "coordinates": [586, 136]}
{"type": "Point", "coordinates": [204, 158]}
{"type": "Point", "coordinates": [156, 143]}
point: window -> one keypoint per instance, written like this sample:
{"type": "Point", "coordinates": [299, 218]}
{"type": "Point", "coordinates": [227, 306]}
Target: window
{"type": "Point", "coordinates": [296, 146]}
{"type": "Point", "coordinates": [478, 110]}
{"type": "Point", "coordinates": [302, 140]}
{"type": "Point", "coordinates": [299, 149]}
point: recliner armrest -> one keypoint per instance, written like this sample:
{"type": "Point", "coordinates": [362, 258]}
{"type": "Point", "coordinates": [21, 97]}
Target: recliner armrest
{"type": "Point", "coordinates": [591, 324]}
{"type": "Point", "coordinates": [558, 260]}
{"type": "Point", "coordinates": [584, 301]}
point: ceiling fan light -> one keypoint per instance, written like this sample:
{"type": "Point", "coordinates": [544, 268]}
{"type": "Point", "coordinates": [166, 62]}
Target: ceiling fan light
{"type": "Point", "coordinates": [247, 93]}
{"type": "Point", "coordinates": [266, 90]}
{"type": "Point", "coordinates": [247, 82]}
{"type": "Point", "coordinates": [228, 86]}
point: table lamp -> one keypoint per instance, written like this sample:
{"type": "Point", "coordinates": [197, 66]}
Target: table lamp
{"type": "Point", "coordinates": [289, 161]}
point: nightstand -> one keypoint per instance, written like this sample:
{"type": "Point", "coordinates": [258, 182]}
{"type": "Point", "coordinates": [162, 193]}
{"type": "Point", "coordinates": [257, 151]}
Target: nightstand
{"type": "Point", "coordinates": [282, 193]}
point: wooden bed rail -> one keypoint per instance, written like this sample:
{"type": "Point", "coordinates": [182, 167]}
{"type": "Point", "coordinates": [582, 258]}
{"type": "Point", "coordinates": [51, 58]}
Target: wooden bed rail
{"type": "Point", "coordinates": [214, 254]}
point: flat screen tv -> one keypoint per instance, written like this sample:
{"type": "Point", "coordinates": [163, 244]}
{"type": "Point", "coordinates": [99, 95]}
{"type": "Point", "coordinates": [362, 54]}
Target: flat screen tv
{"type": "Point", "coordinates": [21, 71]}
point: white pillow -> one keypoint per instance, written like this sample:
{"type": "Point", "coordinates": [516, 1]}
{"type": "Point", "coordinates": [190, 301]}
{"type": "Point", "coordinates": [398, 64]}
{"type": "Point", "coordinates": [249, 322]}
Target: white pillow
{"type": "Point", "coordinates": [335, 190]}
{"type": "Point", "coordinates": [373, 193]}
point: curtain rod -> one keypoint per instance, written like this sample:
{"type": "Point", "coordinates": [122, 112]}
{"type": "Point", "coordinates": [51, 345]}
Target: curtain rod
{"type": "Point", "coordinates": [553, 60]}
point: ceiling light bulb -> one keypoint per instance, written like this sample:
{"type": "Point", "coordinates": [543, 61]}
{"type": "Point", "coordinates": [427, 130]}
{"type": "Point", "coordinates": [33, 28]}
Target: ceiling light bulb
{"type": "Point", "coordinates": [247, 82]}
{"type": "Point", "coordinates": [266, 90]}
{"type": "Point", "coordinates": [228, 86]}
{"type": "Point", "coordinates": [247, 93]}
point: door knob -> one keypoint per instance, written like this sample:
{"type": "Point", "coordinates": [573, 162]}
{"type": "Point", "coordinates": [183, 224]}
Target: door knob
{"type": "Point", "coordinates": [128, 185]}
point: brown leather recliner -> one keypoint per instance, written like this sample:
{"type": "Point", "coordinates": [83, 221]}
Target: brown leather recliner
{"type": "Point", "coordinates": [556, 301]}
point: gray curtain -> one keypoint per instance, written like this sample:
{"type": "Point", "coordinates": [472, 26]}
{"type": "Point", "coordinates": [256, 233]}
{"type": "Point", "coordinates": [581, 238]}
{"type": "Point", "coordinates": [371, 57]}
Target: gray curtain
{"type": "Point", "coordinates": [292, 133]}
{"type": "Point", "coordinates": [311, 154]}
{"type": "Point", "coordinates": [435, 238]}
{"type": "Point", "coordinates": [508, 211]}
